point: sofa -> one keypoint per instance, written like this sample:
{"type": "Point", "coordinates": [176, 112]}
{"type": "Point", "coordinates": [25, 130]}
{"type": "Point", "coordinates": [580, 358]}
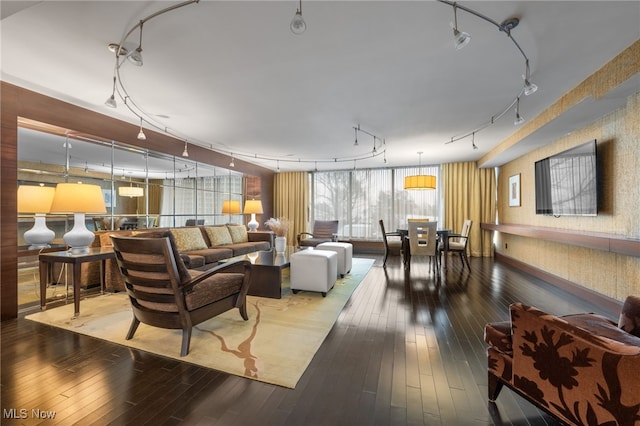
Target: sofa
{"type": "Point", "coordinates": [582, 369]}
{"type": "Point", "coordinates": [201, 247]}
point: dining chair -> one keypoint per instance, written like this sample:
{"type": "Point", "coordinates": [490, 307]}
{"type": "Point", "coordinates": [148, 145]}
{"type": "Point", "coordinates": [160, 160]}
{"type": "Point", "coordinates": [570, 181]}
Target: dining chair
{"type": "Point", "coordinates": [423, 241]}
{"type": "Point", "coordinates": [458, 243]}
{"type": "Point", "coordinates": [392, 243]}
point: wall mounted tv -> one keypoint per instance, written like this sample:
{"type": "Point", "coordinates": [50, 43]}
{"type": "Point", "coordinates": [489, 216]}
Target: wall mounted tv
{"type": "Point", "coordinates": [567, 182]}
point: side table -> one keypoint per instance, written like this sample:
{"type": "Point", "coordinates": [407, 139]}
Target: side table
{"type": "Point", "coordinates": [46, 270]}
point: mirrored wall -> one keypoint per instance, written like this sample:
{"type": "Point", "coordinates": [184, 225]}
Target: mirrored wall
{"type": "Point", "coordinates": [141, 188]}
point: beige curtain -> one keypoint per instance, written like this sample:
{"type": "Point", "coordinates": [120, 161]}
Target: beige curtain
{"type": "Point", "coordinates": [470, 193]}
{"type": "Point", "coordinates": [291, 200]}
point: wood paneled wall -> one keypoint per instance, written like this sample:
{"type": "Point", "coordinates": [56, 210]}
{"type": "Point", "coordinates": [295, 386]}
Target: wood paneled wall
{"type": "Point", "coordinates": [17, 102]}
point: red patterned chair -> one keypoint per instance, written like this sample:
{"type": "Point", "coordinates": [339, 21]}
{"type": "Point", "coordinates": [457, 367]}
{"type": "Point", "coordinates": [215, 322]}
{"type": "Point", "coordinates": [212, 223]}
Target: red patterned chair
{"type": "Point", "coordinates": [582, 369]}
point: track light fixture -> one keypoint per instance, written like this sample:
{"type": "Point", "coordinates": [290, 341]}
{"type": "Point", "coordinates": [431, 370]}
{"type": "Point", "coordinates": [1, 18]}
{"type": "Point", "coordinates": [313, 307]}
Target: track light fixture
{"type": "Point", "coordinates": [473, 141]}
{"type": "Point", "coordinates": [135, 57]}
{"type": "Point", "coordinates": [298, 26]}
{"type": "Point", "coordinates": [355, 129]}
{"type": "Point", "coordinates": [461, 39]}
{"type": "Point", "coordinates": [232, 164]}
{"type": "Point", "coordinates": [141, 135]}
{"type": "Point", "coordinates": [185, 153]}
{"type": "Point", "coordinates": [529, 87]}
{"type": "Point", "coordinates": [111, 100]}
{"type": "Point", "coordinates": [505, 27]}
{"type": "Point", "coordinates": [519, 119]}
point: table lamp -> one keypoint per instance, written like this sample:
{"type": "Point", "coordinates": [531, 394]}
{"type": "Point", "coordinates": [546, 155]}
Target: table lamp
{"type": "Point", "coordinates": [253, 207]}
{"type": "Point", "coordinates": [230, 207]}
{"type": "Point", "coordinates": [37, 199]}
{"type": "Point", "coordinates": [79, 199]}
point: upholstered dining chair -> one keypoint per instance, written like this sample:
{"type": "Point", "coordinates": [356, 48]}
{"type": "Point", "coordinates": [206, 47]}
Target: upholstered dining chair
{"type": "Point", "coordinates": [392, 243]}
{"type": "Point", "coordinates": [458, 243]}
{"type": "Point", "coordinates": [423, 241]}
{"type": "Point", "coordinates": [323, 231]}
{"type": "Point", "coordinates": [165, 294]}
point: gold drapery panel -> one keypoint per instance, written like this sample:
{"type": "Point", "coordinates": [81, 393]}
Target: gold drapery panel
{"type": "Point", "coordinates": [291, 200]}
{"type": "Point", "coordinates": [154, 195]}
{"type": "Point", "coordinates": [470, 193]}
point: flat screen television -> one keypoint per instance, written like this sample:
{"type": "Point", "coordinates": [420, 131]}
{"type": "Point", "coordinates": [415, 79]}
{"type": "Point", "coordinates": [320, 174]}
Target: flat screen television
{"type": "Point", "coordinates": [567, 182]}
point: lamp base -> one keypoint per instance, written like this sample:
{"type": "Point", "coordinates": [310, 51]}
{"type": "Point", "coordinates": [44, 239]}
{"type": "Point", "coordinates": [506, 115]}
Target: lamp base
{"type": "Point", "coordinates": [39, 236]}
{"type": "Point", "coordinates": [253, 223]}
{"type": "Point", "coordinates": [79, 238]}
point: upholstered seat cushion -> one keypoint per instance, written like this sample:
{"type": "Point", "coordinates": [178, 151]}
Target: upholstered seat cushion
{"type": "Point", "coordinates": [212, 255]}
{"type": "Point", "coordinates": [249, 247]}
{"type": "Point", "coordinates": [214, 288]}
{"type": "Point", "coordinates": [498, 336]}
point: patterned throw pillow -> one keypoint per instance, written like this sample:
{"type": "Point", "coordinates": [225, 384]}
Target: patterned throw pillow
{"type": "Point", "coordinates": [218, 235]}
{"type": "Point", "coordinates": [238, 233]}
{"type": "Point", "coordinates": [188, 239]}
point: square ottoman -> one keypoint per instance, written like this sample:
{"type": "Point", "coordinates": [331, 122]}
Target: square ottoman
{"type": "Point", "coordinates": [313, 270]}
{"type": "Point", "coordinates": [344, 252]}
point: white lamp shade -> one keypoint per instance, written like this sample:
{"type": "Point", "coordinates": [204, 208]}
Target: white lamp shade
{"type": "Point", "coordinates": [130, 191]}
{"type": "Point", "coordinates": [35, 199]}
{"type": "Point", "coordinates": [253, 206]}
{"type": "Point", "coordinates": [231, 207]}
{"type": "Point", "coordinates": [78, 198]}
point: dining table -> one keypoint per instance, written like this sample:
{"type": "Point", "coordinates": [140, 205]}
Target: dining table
{"type": "Point", "coordinates": [443, 240]}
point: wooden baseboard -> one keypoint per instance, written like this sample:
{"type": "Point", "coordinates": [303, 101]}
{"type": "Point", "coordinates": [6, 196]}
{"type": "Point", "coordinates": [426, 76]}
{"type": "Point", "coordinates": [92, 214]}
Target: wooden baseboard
{"type": "Point", "coordinates": [612, 306]}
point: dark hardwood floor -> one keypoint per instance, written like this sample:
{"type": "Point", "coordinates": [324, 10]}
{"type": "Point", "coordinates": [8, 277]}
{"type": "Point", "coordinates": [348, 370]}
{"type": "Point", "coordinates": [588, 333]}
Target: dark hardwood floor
{"type": "Point", "coordinates": [407, 349]}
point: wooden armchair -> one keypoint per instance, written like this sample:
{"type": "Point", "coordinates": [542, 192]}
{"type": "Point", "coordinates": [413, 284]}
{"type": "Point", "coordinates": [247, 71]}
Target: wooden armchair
{"type": "Point", "coordinates": [323, 231]}
{"type": "Point", "coordinates": [165, 294]}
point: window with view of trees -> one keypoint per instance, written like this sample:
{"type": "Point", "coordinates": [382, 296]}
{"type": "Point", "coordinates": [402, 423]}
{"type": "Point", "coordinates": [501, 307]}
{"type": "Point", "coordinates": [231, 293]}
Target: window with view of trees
{"type": "Point", "coordinates": [360, 198]}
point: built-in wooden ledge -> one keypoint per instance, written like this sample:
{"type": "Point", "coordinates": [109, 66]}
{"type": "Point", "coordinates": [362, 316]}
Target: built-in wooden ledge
{"type": "Point", "coordinates": [595, 240]}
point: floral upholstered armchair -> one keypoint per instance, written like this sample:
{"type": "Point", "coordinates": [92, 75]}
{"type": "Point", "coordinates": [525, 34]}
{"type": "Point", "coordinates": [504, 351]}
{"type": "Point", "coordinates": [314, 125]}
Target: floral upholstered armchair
{"type": "Point", "coordinates": [582, 369]}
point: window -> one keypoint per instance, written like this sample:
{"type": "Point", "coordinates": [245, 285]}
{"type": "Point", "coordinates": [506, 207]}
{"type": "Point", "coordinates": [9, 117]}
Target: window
{"type": "Point", "coordinates": [359, 198]}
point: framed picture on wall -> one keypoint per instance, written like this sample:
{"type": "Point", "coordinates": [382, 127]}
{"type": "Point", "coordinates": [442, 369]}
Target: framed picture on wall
{"type": "Point", "coordinates": [109, 200]}
{"type": "Point", "coordinates": [514, 191]}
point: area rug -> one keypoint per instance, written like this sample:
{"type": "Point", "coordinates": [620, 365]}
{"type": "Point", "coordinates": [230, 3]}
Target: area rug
{"type": "Point", "coordinates": [274, 346]}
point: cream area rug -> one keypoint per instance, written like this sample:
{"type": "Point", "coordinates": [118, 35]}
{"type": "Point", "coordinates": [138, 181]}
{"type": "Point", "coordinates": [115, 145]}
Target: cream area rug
{"type": "Point", "coordinates": [275, 345]}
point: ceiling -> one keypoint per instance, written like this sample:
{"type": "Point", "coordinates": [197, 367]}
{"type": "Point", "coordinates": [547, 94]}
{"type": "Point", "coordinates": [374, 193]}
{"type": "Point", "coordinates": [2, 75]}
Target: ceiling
{"type": "Point", "coordinates": [231, 76]}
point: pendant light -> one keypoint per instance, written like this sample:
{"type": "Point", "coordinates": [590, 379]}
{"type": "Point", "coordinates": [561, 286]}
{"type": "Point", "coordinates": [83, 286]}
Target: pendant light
{"type": "Point", "coordinates": [298, 26]}
{"type": "Point", "coordinates": [420, 181]}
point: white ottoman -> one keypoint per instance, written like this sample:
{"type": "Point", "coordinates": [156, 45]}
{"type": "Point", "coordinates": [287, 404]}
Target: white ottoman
{"type": "Point", "coordinates": [313, 270]}
{"type": "Point", "coordinates": [344, 252]}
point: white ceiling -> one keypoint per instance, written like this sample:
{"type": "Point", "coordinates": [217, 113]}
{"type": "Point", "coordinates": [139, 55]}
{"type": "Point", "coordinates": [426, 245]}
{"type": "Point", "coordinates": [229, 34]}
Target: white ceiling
{"type": "Point", "coordinates": [230, 75]}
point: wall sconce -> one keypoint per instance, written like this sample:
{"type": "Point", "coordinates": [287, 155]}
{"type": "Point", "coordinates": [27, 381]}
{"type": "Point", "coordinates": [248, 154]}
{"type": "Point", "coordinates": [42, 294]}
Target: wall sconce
{"type": "Point", "coordinates": [253, 207]}
{"type": "Point", "coordinates": [37, 199]}
{"type": "Point", "coordinates": [79, 199]}
{"type": "Point", "coordinates": [130, 191]}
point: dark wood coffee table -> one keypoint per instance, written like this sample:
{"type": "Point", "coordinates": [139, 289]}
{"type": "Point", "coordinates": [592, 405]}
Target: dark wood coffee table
{"type": "Point", "coordinates": [266, 271]}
